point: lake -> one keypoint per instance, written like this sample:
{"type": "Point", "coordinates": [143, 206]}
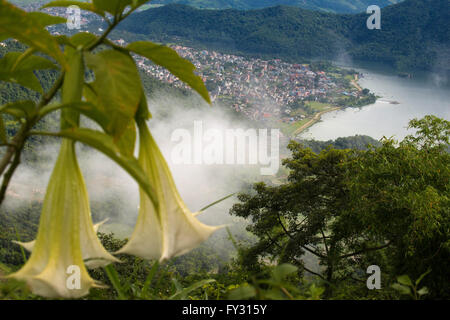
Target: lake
{"type": "Point", "coordinates": [417, 97]}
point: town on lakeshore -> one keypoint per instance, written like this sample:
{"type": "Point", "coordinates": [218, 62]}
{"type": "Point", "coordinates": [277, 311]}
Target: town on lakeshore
{"type": "Point", "coordinates": [288, 96]}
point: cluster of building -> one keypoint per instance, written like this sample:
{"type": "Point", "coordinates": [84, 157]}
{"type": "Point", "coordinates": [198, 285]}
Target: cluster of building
{"type": "Point", "coordinates": [258, 88]}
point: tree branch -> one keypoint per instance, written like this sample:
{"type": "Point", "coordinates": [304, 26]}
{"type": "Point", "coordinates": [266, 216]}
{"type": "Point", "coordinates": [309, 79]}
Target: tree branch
{"type": "Point", "coordinates": [9, 174]}
{"type": "Point", "coordinates": [365, 250]}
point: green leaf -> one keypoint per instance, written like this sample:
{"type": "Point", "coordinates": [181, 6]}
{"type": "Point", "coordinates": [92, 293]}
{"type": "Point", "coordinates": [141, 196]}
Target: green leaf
{"type": "Point", "coordinates": [18, 68]}
{"type": "Point", "coordinates": [402, 289]}
{"type": "Point", "coordinates": [104, 143]}
{"type": "Point", "coordinates": [423, 291]}
{"type": "Point", "coordinates": [46, 19]}
{"type": "Point", "coordinates": [181, 295]}
{"type": "Point", "coordinates": [216, 202]}
{"type": "Point", "coordinates": [28, 62]}
{"type": "Point", "coordinates": [82, 5]}
{"type": "Point", "coordinates": [283, 270]}
{"type": "Point", "coordinates": [127, 141]}
{"type": "Point", "coordinates": [405, 280]}
{"type": "Point", "coordinates": [169, 59]}
{"type": "Point", "coordinates": [20, 109]}
{"type": "Point", "coordinates": [85, 108]}
{"type": "Point", "coordinates": [143, 113]}
{"type": "Point", "coordinates": [26, 79]}
{"type": "Point", "coordinates": [113, 277]}
{"type": "Point", "coordinates": [116, 90]}
{"type": "Point", "coordinates": [111, 6]}
{"type": "Point", "coordinates": [242, 293]}
{"type": "Point", "coordinates": [26, 28]}
{"type": "Point", "coordinates": [83, 39]}
{"type": "Point", "coordinates": [149, 278]}
{"type": "Point", "coordinates": [422, 276]}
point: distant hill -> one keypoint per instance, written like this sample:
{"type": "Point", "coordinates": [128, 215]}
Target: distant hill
{"type": "Point", "coordinates": [340, 6]}
{"type": "Point", "coordinates": [414, 34]}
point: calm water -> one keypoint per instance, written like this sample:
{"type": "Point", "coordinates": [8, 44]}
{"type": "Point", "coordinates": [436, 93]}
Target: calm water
{"type": "Point", "coordinates": [427, 94]}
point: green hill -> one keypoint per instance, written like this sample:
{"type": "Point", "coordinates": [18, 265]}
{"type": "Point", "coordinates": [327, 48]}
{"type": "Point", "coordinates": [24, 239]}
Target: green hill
{"type": "Point", "coordinates": [341, 6]}
{"type": "Point", "coordinates": [414, 34]}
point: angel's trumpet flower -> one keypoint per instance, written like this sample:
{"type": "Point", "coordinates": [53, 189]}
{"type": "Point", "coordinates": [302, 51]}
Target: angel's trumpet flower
{"type": "Point", "coordinates": [66, 235]}
{"type": "Point", "coordinates": [170, 230]}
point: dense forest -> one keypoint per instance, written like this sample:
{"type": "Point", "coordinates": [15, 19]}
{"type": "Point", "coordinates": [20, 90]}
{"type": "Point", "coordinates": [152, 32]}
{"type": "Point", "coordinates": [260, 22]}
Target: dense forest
{"type": "Point", "coordinates": [414, 34]}
{"type": "Point", "coordinates": [340, 6]}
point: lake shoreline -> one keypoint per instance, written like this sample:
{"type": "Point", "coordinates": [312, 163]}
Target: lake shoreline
{"type": "Point", "coordinates": [398, 101]}
{"type": "Point", "coordinates": [318, 116]}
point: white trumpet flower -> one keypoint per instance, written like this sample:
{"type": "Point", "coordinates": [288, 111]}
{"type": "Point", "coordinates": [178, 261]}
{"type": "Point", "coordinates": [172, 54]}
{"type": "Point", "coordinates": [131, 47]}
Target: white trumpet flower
{"type": "Point", "coordinates": [66, 235]}
{"type": "Point", "coordinates": [172, 229]}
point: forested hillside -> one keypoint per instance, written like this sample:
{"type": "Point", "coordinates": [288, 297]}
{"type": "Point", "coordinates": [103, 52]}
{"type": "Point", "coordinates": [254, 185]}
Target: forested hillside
{"type": "Point", "coordinates": [414, 34]}
{"type": "Point", "coordinates": [341, 6]}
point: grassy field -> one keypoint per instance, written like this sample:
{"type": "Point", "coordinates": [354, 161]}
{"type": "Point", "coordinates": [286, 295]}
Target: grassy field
{"type": "Point", "coordinates": [318, 106]}
{"type": "Point", "coordinates": [289, 129]}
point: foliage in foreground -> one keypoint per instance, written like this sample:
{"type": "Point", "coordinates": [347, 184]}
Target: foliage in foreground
{"type": "Point", "coordinates": [101, 81]}
{"type": "Point", "coordinates": [387, 206]}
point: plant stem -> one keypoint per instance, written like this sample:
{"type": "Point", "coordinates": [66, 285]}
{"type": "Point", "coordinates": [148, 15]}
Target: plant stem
{"type": "Point", "coordinates": [16, 146]}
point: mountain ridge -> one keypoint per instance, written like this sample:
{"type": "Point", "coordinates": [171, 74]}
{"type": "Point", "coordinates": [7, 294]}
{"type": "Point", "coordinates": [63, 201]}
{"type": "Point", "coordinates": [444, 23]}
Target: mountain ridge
{"type": "Point", "coordinates": [414, 34]}
{"type": "Point", "coordinates": [338, 6]}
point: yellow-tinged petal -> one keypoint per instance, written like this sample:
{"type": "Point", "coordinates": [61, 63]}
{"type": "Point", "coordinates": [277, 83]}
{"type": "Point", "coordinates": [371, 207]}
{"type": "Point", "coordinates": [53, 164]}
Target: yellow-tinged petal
{"type": "Point", "coordinates": [30, 245]}
{"type": "Point", "coordinates": [173, 229]}
{"type": "Point", "coordinates": [66, 236]}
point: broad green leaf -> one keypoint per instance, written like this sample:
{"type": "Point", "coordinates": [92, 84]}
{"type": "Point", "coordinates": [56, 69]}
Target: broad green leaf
{"type": "Point", "coordinates": [182, 295]}
{"type": "Point", "coordinates": [72, 88]}
{"type": "Point", "coordinates": [143, 112]}
{"type": "Point", "coordinates": [25, 79]}
{"type": "Point", "coordinates": [3, 138]}
{"type": "Point", "coordinates": [423, 291]}
{"type": "Point", "coordinates": [82, 5]}
{"type": "Point", "coordinates": [242, 293]}
{"type": "Point", "coordinates": [282, 271]}
{"type": "Point", "coordinates": [127, 140]}
{"type": "Point", "coordinates": [27, 62]}
{"type": "Point", "coordinates": [116, 90]}
{"type": "Point", "coordinates": [26, 28]}
{"type": "Point", "coordinates": [83, 39]}
{"type": "Point", "coordinates": [85, 108]}
{"type": "Point", "coordinates": [46, 19]}
{"type": "Point", "coordinates": [402, 289]}
{"type": "Point", "coordinates": [20, 109]}
{"type": "Point", "coordinates": [169, 59]}
{"type": "Point", "coordinates": [62, 40]}
{"type": "Point", "coordinates": [18, 67]}
{"type": "Point", "coordinates": [112, 6]}
{"type": "Point", "coordinates": [104, 143]}
{"type": "Point", "coordinates": [405, 280]}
